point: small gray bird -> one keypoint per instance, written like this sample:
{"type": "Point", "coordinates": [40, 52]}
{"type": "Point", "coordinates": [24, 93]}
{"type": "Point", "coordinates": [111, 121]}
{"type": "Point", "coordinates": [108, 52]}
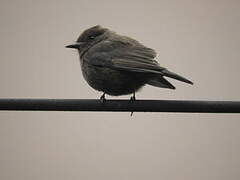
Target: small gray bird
{"type": "Point", "coordinates": [119, 65]}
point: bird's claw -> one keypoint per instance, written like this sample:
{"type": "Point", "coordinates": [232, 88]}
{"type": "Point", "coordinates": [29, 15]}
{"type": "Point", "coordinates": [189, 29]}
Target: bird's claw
{"type": "Point", "coordinates": [102, 98]}
{"type": "Point", "coordinates": [132, 99]}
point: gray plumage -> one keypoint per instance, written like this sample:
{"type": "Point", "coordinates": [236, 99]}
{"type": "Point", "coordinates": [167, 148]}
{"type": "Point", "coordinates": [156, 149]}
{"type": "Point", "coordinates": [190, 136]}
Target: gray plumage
{"type": "Point", "coordinates": [119, 65]}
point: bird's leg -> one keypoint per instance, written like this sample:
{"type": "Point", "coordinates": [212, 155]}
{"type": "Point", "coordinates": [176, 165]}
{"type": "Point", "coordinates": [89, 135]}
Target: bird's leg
{"type": "Point", "coordinates": [102, 98]}
{"type": "Point", "coordinates": [132, 99]}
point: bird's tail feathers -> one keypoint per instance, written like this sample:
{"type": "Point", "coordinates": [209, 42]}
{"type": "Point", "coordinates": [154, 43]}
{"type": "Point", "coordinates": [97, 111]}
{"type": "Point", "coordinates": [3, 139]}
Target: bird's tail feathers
{"type": "Point", "coordinates": [170, 74]}
{"type": "Point", "coordinates": [161, 82]}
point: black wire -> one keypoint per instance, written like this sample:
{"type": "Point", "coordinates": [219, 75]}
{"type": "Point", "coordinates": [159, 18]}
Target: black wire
{"type": "Point", "coordinates": [120, 105]}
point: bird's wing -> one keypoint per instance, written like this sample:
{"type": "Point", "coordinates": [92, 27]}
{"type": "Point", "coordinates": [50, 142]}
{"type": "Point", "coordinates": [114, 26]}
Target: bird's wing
{"type": "Point", "coordinates": [128, 57]}
{"type": "Point", "coordinates": [122, 55]}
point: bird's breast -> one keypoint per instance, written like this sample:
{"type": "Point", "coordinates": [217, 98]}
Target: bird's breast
{"type": "Point", "coordinates": [110, 81]}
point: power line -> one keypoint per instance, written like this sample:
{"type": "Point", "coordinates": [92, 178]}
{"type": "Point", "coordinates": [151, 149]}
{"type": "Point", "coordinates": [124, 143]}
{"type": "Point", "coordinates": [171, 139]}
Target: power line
{"type": "Point", "coordinates": [120, 105]}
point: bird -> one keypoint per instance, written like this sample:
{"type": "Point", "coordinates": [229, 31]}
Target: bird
{"type": "Point", "coordinates": [119, 65]}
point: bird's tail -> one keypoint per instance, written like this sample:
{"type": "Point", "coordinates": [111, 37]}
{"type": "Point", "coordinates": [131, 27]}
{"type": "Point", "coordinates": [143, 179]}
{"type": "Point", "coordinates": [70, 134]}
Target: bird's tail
{"type": "Point", "coordinates": [170, 74]}
{"type": "Point", "coordinates": [160, 81]}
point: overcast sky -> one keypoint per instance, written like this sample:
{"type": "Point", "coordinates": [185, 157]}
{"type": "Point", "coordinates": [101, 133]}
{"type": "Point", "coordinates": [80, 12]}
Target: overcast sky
{"type": "Point", "coordinates": [197, 39]}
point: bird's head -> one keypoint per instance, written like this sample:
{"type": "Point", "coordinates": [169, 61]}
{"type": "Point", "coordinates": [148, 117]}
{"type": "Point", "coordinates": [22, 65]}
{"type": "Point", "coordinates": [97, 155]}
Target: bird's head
{"type": "Point", "coordinates": [89, 38]}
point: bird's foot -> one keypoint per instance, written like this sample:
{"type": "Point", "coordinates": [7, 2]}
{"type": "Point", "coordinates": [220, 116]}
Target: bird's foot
{"type": "Point", "coordinates": [132, 99]}
{"type": "Point", "coordinates": [102, 98]}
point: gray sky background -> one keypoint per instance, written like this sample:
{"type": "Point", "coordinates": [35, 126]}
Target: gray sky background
{"type": "Point", "coordinates": [197, 39]}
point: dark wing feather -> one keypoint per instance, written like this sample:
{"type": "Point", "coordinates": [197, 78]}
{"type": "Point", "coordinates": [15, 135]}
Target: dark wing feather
{"type": "Point", "coordinates": [136, 66]}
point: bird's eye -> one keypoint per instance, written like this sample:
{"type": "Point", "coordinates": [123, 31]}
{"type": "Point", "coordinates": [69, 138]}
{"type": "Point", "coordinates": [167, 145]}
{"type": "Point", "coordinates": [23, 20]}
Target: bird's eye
{"type": "Point", "coordinates": [91, 37]}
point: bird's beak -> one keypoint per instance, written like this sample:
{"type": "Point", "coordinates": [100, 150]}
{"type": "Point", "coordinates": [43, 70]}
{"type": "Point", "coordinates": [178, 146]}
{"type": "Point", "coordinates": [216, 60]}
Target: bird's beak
{"type": "Point", "coordinates": [74, 46]}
